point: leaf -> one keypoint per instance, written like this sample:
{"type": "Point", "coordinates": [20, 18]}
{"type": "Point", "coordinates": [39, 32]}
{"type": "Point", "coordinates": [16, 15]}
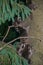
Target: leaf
{"type": "Point", "coordinates": [6, 13]}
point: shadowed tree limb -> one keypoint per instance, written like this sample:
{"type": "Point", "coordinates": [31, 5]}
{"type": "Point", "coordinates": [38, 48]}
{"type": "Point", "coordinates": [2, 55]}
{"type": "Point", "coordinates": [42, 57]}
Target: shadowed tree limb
{"type": "Point", "coordinates": [17, 39]}
{"type": "Point", "coordinates": [9, 27]}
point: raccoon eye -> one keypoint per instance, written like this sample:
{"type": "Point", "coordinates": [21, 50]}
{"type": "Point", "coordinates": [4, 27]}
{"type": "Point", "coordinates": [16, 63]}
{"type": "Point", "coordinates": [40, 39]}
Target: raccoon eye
{"type": "Point", "coordinates": [23, 46]}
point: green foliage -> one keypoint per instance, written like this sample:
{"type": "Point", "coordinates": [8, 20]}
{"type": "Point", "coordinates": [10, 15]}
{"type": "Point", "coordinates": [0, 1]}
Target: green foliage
{"type": "Point", "coordinates": [10, 8]}
{"type": "Point", "coordinates": [9, 56]}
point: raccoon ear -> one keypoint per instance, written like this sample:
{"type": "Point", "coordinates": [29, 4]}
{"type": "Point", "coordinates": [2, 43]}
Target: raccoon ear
{"type": "Point", "coordinates": [27, 28]}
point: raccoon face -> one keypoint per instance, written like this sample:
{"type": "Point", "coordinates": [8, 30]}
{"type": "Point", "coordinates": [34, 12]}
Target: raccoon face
{"type": "Point", "coordinates": [25, 51]}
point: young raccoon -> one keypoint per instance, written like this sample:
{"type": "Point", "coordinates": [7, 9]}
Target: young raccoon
{"type": "Point", "coordinates": [25, 50]}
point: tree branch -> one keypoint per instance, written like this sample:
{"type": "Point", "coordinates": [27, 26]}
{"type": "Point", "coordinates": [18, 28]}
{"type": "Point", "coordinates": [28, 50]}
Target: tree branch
{"type": "Point", "coordinates": [17, 39]}
{"type": "Point", "coordinates": [11, 42]}
{"type": "Point", "coordinates": [9, 27]}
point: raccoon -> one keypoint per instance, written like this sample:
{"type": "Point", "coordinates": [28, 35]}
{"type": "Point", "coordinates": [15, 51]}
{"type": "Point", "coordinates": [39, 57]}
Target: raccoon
{"type": "Point", "coordinates": [25, 50]}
